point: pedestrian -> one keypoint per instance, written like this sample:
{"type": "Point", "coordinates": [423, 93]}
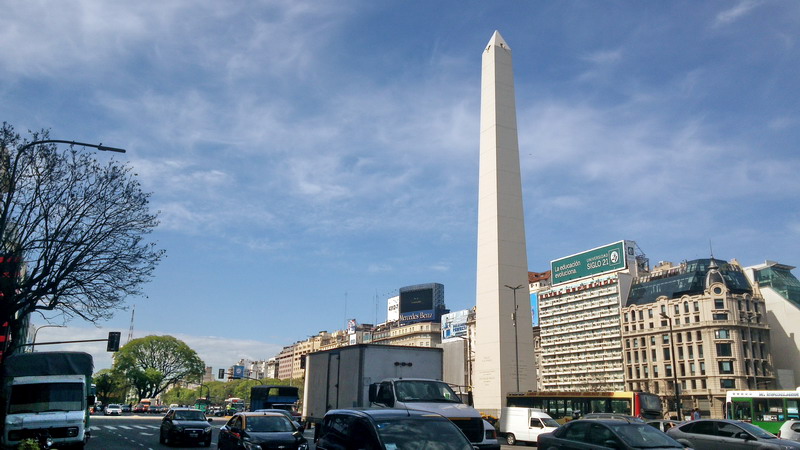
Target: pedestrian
{"type": "Point", "coordinates": [696, 414]}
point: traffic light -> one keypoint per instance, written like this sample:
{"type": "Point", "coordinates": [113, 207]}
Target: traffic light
{"type": "Point", "coordinates": [221, 373]}
{"type": "Point", "coordinates": [113, 341]}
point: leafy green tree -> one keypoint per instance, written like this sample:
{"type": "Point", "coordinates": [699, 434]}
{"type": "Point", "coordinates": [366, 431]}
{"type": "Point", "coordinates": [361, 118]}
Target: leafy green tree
{"type": "Point", "coordinates": [151, 364]}
{"type": "Point", "coordinates": [110, 388]}
{"type": "Point", "coordinates": [78, 224]}
{"type": "Point", "coordinates": [180, 395]}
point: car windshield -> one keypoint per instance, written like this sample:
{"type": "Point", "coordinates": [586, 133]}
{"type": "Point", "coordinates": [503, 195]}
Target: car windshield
{"type": "Point", "coordinates": [40, 397]}
{"type": "Point", "coordinates": [551, 423]}
{"type": "Point", "coordinates": [643, 436]}
{"type": "Point", "coordinates": [756, 431]}
{"type": "Point", "coordinates": [190, 415]}
{"type": "Point", "coordinates": [417, 433]}
{"type": "Point", "coordinates": [425, 391]}
{"type": "Point", "coordinates": [268, 424]}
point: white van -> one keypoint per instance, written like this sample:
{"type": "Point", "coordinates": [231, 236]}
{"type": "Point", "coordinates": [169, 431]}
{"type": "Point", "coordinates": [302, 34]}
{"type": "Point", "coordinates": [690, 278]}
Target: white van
{"type": "Point", "coordinates": [525, 424]}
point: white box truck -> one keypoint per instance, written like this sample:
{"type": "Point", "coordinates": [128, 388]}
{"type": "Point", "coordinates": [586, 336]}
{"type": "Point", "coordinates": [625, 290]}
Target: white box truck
{"type": "Point", "coordinates": [388, 376]}
{"type": "Point", "coordinates": [524, 424]}
{"type": "Point", "coordinates": [47, 395]}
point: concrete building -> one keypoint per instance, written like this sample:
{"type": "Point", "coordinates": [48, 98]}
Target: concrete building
{"type": "Point", "coordinates": [688, 323]}
{"type": "Point", "coordinates": [504, 346]}
{"type": "Point", "coordinates": [780, 290]}
{"type": "Point", "coordinates": [419, 334]}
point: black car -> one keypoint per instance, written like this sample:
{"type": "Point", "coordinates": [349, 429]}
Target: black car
{"type": "Point", "coordinates": [606, 433]}
{"type": "Point", "coordinates": [261, 430]}
{"type": "Point", "coordinates": [185, 425]}
{"type": "Point", "coordinates": [387, 429]}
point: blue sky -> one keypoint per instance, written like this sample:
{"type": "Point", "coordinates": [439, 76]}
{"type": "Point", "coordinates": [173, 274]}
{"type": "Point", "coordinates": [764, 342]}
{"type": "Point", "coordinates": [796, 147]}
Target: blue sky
{"type": "Point", "coordinates": [310, 158]}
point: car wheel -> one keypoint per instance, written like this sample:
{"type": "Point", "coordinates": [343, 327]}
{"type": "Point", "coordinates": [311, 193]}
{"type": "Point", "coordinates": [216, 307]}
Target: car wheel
{"type": "Point", "coordinates": [161, 437]}
{"type": "Point", "coordinates": [511, 439]}
{"type": "Point", "coordinates": [167, 440]}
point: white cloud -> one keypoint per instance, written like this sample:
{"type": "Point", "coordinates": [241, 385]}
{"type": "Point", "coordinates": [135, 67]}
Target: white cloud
{"type": "Point", "coordinates": [736, 12]}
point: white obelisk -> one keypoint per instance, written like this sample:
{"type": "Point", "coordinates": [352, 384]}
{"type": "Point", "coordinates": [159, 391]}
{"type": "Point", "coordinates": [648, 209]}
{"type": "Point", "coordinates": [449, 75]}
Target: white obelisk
{"type": "Point", "coordinates": [504, 359]}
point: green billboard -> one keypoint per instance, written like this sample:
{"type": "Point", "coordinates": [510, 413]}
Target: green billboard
{"type": "Point", "coordinates": [594, 262]}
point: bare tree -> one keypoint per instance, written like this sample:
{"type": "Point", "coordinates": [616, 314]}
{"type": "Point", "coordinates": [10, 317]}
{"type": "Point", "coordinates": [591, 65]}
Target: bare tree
{"type": "Point", "coordinates": [72, 232]}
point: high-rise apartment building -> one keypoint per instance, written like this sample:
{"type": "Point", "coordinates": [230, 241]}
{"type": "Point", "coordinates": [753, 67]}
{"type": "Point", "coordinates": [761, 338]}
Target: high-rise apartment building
{"type": "Point", "coordinates": [579, 319]}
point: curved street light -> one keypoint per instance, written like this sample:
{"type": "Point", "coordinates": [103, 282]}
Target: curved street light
{"type": "Point", "coordinates": [36, 331]}
{"type": "Point", "coordinates": [20, 150]}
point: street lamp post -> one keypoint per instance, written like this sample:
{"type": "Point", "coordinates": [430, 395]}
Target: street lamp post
{"type": "Point", "coordinates": [20, 150]}
{"type": "Point", "coordinates": [749, 315]}
{"type": "Point", "coordinates": [516, 335]}
{"type": "Point", "coordinates": [674, 366]}
{"type": "Point", "coordinates": [36, 331]}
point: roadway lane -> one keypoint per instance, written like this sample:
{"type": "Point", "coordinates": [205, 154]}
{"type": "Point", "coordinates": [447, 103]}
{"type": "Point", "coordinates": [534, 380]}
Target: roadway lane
{"type": "Point", "coordinates": [133, 431]}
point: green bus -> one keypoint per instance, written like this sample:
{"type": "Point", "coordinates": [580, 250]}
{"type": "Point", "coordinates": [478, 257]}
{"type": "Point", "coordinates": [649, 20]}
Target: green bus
{"type": "Point", "coordinates": [765, 409]}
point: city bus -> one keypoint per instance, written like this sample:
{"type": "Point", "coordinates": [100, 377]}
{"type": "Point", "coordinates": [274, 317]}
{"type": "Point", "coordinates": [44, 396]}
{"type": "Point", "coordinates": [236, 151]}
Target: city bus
{"type": "Point", "coordinates": [563, 406]}
{"type": "Point", "coordinates": [765, 409]}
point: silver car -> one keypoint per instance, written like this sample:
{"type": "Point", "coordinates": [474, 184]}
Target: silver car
{"type": "Point", "coordinates": [713, 434]}
{"type": "Point", "coordinates": [790, 430]}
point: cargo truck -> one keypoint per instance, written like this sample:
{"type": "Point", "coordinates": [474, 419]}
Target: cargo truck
{"type": "Point", "coordinates": [47, 395]}
{"type": "Point", "coordinates": [388, 376]}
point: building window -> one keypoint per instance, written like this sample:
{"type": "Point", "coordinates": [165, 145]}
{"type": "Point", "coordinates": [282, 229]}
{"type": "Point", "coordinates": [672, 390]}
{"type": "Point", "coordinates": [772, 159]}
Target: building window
{"type": "Point", "coordinates": [719, 316]}
{"type": "Point", "coordinates": [652, 340]}
{"type": "Point", "coordinates": [691, 369]}
{"type": "Point", "coordinates": [655, 371]}
{"type": "Point", "coordinates": [680, 338]}
{"type": "Point", "coordinates": [696, 307]}
{"type": "Point", "coordinates": [727, 383]}
{"type": "Point", "coordinates": [691, 352]}
{"type": "Point", "coordinates": [653, 354]}
{"type": "Point", "coordinates": [703, 383]}
{"type": "Point", "coordinates": [686, 307]}
{"type": "Point", "coordinates": [697, 319]}
{"type": "Point", "coordinates": [702, 369]}
{"type": "Point", "coordinates": [719, 303]}
{"type": "Point", "coordinates": [700, 350]}
{"type": "Point", "coordinates": [725, 367]}
{"type": "Point", "coordinates": [722, 334]}
{"type": "Point", "coordinates": [677, 309]}
{"type": "Point", "coordinates": [668, 369]}
{"type": "Point", "coordinates": [650, 313]}
{"type": "Point", "coordinates": [680, 352]}
{"type": "Point", "coordinates": [665, 339]}
{"type": "Point", "coordinates": [666, 354]}
{"type": "Point", "coordinates": [688, 336]}
{"type": "Point", "coordinates": [641, 315]}
{"type": "Point", "coordinates": [644, 355]}
{"type": "Point", "coordinates": [699, 335]}
{"type": "Point", "coordinates": [724, 350]}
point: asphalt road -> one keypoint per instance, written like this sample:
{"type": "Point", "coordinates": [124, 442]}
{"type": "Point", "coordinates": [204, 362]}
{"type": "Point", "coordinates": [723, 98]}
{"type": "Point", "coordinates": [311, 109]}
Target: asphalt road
{"type": "Point", "coordinates": [141, 432]}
